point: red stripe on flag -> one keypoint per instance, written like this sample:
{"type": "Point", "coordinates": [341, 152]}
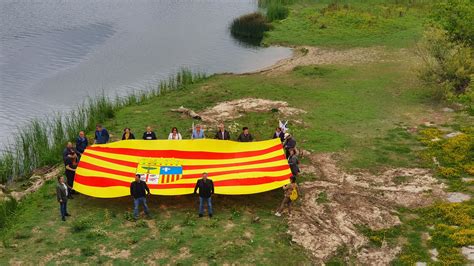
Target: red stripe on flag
{"type": "Point", "coordinates": [121, 162]}
{"type": "Point", "coordinates": [185, 154]}
{"type": "Point", "coordinates": [94, 167]}
{"type": "Point", "coordinates": [109, 182]}
{"type": "Point", "coordinates": [260, 169]}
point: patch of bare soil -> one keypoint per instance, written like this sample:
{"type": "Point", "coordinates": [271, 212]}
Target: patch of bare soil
{"type": "Point", "coordinates": [114, 253]}
{"type": "Point", "coordinates": [232, 110]}
{"type": "Point", "coordinates": [37, 181]}
{"type": "Point", "coordinates": [356, 199]}
{"type": "Point", "coordinates": [307, 55]}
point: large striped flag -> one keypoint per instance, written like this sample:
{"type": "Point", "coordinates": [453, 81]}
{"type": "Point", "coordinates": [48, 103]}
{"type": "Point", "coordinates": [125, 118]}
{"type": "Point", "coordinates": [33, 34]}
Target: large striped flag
{"type": "Point", "coordinates": [171, 167]}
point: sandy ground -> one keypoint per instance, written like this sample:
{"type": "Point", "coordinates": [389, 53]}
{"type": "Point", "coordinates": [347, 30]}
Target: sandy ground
{"type": "Point", "coordinates": [355, 199]}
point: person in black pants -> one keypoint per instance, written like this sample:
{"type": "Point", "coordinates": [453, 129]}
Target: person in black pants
{"type": "Point", "coordinates": [139, 190]}
{"type": "Point", "coordinates": [70, 164]}
{"type": "Point", "coordinates": [206, 189]}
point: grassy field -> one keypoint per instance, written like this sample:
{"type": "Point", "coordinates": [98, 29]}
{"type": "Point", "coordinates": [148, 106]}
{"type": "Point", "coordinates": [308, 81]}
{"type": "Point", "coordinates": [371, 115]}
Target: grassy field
{"type": "Point", "coordinates": [342, 24]}
{"type": "Point", "coordinates": [361, 111]}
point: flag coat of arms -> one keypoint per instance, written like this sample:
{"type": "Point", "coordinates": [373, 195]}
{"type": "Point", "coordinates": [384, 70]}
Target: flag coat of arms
{"type": "Point", "coordinates": [172, 167]}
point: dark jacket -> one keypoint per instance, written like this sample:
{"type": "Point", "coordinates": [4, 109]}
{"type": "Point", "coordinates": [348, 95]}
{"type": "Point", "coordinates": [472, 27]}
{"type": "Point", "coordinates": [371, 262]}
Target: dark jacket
{"type": "Point", "coordinates": [293, 162]}
{"type": "Point", "coordinates": [281, 136]}
{"type": "Point", "coordinates": [101, 137]}
{"type": "Point", "coordinates": [149, 136]}
{"type": "Point", "coordinates": [61, 192]}
{"type": "Point", "coordinates": [139, 189]}
{"type": "Point", "coordinates": [81, 144]}
{"type": "Point", "coordinates": [206, 189]}
{"type": "Point", "coordinates": [66, 152]}
{"type": "Point", "coordinates": [290, 144]}
{"type": "Point", "coordinates": [245, 138]}
{"type": "Point", "coordinates": [225, 137]}
{"type": "Point", "coordinates": [129, 137]}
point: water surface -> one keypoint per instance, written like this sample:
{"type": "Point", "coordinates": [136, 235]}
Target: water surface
{"type": "Point", "coordinates": [55, 53]}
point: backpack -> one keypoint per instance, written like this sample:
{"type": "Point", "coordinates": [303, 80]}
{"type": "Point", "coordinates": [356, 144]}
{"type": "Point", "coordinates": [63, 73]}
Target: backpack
{"type": "Point", "coordinates": [294, 194]}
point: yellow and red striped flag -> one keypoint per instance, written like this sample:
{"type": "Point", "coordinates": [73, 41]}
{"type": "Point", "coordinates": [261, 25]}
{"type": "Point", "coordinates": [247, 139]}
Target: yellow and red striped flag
{"type": "Point", "coordinates": [171, 167]}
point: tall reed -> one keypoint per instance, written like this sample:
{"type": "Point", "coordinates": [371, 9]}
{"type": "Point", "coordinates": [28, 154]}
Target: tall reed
{"type": "Point", "coordinates": [41, 142]}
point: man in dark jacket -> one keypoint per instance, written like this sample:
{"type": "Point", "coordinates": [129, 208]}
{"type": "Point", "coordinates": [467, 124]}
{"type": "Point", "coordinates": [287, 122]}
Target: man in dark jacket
{"type": "Point", "coordinates": [68, 151]}
{"type": "Point", "coordinates": [222, 133]}
{"type": "Point", "coordinates": [289, 144]}
{"type": "Point", "coordinates": [139, 190]}
{"type": "Point", "coordinates": [62, 195]}
{"type": "Point", "coordinates": [206, 189]}
{"type": "Point", "coordinates": [81, 143]}
{"type": "Point", "coordinates": [149, 134]}
{"type": "Point", "coordinates": [101, 135]}
{"type": "Point", "coordinates": [245, 136]}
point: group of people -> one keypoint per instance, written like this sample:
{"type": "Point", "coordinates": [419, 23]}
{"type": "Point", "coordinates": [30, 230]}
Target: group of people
{"type": "Point", "coordinates": [139, 189]}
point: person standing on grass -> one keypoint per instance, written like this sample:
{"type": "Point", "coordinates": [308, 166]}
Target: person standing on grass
{"type": "Point", "coordinates": [139, 190]}
{"type": "Point", "coordinates": [293, 163]}
{"type": "Point", "coordinates": [290, 190]}
{"type": "Point", "coordinates": [101, 135]}
{"type": "Point", "coordinates": [206, 189]}
{"type": "Point", "coordinates": [279, 134]}
{"type": "Point", "coordinates": [289, 143]}
{"type": "Point", "coordinates": [67, 151]}
{"type": "Point", "coordinates": [81, 143]}
{"type": "Point", "coordinates": [222, 134]}
{"type": "Point", "coordinates": [245, 136]}
{"type": "Point", "coordinates": [70, 163]}
{"type": "Point", "coordinates": [174, 135]}
{"type": "Point", "coordinates": [127, 134]}
{"type": "Point", "coordinates": [198, 133]}
{"type": "Point", "coordinates": [62, 196]}
{"type": "Point", "coordinates": [149, 134]}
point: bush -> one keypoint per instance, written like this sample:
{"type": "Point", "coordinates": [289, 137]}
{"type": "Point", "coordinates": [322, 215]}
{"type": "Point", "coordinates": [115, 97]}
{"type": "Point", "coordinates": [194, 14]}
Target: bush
{"type": "Point", "coordinates": [277, 12]}
{"type": "Point", "coordinates": [7, 209]}
{"type": "Point", "coordinates": [446, 66]}
{"type": "Point", "coordinates": [250, 28]}
{"type": "Point", "coordinates": [456, 17]}
{"type": "Point", "coordinates": [81, 224]}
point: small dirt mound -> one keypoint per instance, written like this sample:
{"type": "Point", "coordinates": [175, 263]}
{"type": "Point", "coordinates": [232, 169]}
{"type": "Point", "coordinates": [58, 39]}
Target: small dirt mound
{"type": "Point", "coordinates": [307, 55]}
{"type": "Point", "coordinates": [231, 110]}
{"type": "Point", "coordinates": [352, 200]}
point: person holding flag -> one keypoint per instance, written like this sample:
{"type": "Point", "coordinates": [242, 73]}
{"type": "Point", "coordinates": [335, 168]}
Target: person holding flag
{"type": "Point", "coordinates": [197, 133]}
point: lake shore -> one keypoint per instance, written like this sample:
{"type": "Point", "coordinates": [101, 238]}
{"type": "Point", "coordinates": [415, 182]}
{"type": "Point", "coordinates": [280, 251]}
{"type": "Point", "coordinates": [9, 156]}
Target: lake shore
{"type": "Point", "coordinates": [369, 196]}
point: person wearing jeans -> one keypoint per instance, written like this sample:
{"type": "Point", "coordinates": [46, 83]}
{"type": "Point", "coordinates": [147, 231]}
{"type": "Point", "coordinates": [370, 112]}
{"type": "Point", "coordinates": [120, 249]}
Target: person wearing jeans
{"type": "Point", "coordinates": [206, 189]}
{"type": "Point", "coordinates": [139, 190]}
{"type": "Point", "coordinates": [62, 195]}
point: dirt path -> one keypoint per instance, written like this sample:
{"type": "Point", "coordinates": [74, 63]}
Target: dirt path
{"type": "Point", "coordinates": [356, 199]}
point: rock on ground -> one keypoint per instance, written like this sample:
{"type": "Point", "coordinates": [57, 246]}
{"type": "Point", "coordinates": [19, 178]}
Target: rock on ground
{"type": "Point", "coordinates": [468, 252]}
{"type": "Point", "coordinates": [231, 110]}
{"type": "Point", "coordinates": [457, 197]}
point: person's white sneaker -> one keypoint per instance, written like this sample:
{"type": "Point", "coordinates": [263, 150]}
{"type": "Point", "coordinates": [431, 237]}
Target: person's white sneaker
{"type": "Point", "coordinates": [277, 214]}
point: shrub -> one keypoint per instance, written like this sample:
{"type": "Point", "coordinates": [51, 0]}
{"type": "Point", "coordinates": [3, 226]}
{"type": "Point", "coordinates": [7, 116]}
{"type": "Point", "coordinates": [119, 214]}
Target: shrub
{"type": "Point", "coordinates": [446, 66]}
{"type": "Point", "coordinates": [277, 12]}
{"type": "Point", "coordinates": [456, 17]}
{"type": "Point", "coordinates": [81, 224]}
{"type": "Point", "coordinates": [250, 28]}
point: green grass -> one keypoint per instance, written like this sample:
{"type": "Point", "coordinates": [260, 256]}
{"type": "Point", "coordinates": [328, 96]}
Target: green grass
{"type": "Point", "coordinates": [350, 109]}
{"type": "Point", "coordinates": [351, 23]}
{"type": "Point", "coordinates": [98, 230]}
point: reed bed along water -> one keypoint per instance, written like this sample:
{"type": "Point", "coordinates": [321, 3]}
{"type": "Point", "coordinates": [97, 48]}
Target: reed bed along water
{"type": "Point", "coordinates": [40, 143]}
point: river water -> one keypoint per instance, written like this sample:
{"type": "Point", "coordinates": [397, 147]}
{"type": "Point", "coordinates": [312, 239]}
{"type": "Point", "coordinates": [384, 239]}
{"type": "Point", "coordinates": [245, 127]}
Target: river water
{"type": "Point", "coordinates": [55, 53]}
